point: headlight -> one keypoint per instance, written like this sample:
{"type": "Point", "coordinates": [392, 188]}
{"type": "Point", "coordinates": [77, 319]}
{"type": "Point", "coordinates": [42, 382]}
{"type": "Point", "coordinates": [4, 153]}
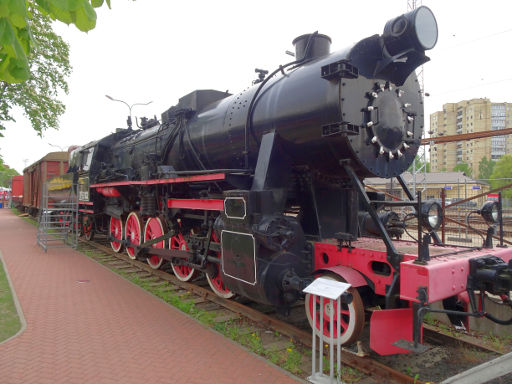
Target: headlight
{"type": "Point", "coordinates": [414, 30]}
{"type": "Point", "coordinates": [489, 212]}
{"type": "Point", "coordinates": [425, 26]}
{"type": "Point", "coordinates": [431, 215]}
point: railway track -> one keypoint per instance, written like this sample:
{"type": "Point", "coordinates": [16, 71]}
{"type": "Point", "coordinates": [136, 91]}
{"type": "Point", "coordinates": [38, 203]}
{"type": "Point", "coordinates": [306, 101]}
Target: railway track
{"type": "Point", "coordinates": [228, 310]}
{"type": "Point", "coordinates": [434, 333]}
{"type": "Point", "coordinates": [263, 321]}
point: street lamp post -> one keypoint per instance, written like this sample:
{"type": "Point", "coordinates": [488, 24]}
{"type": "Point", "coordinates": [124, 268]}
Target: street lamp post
{"type": "Point", "coordinates": [57, 146]}
{"type": "Point", "coordinates": [129, 121]}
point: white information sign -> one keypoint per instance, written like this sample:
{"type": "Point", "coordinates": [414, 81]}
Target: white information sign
{"type": "Point", "coordinates": [328, 288]}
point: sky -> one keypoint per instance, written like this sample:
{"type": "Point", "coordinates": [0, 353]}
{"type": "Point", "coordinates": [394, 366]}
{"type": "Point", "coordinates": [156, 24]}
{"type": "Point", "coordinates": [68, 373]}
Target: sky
{"type": "Point", "coordinates": [158, 51]}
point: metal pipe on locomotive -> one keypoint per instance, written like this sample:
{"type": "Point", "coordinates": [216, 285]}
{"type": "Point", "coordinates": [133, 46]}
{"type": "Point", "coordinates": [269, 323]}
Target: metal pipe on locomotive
{"type": "Point", "coordinates": [262, 190]}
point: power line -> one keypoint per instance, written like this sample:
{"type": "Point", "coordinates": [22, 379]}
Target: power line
{"type": "Point", "coordinates": [475, 40]}
{"type": "Point", "coordinates": [471, 87]}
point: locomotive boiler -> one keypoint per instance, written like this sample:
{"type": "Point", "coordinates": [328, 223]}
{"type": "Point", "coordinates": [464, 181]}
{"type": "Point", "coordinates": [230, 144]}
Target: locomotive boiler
{"type": "Point", "coordinates": [262, 190]}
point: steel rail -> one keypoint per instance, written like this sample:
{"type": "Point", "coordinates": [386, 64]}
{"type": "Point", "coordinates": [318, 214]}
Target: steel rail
{"type": "Point", "coordinates": [431, 331]}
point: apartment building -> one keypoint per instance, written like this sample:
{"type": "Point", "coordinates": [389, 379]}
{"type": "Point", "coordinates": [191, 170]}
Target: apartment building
{"type": "Point", "coordinates": [465, 117]}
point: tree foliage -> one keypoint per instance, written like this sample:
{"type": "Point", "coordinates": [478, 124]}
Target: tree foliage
{"type": "Point", "coordinates": [503, 170]}
{"type": "Point", "coordinates": [418, 163]}
{"type": "Point", "coordinates": [49, 67]}
{"type": "Point", "coordinates": [17, 39]}
{"type": "Point", "coordinates": [463, 167]}
{"type": "Point", "coordinates": [6, 173]}
{"type": "Point", "coordinates": [485, 168]}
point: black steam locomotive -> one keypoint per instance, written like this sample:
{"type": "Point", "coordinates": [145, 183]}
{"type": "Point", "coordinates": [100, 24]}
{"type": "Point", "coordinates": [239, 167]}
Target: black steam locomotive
{"type": "Point", "coordinates": [262, 190]}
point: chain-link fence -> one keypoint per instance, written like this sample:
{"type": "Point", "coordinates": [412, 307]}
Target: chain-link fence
{"type": "Point", "coordinates": [461, 200]}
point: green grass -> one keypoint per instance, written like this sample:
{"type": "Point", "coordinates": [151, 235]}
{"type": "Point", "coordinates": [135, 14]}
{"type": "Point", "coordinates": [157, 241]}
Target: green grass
{"type": "Point", "coordinates": [292, 359]}
{"type": "Point", "coordinates": [9, 320]}
{"type": "Point", "coordinates": [28, 219]}
{"type": "Point", "coordinates": [496, 342]}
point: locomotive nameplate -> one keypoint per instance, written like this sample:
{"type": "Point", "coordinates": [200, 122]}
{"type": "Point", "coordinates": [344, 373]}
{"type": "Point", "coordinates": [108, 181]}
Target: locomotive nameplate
{"type": "Point", "coordinates": [239, 256]}
{"type": "Point", "coordinates": [330, 289]}
{"type": "Point", "coordinates": [83, 188]}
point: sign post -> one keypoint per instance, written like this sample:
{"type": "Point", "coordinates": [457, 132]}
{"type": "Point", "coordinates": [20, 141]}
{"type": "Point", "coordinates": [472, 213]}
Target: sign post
{"type": "Point", "coordinates": [330, 290]}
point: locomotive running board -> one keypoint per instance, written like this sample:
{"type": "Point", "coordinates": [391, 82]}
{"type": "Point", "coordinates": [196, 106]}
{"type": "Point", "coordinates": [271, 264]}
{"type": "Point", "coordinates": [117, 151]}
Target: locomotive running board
{"type": "Point", "coordinates": [179, 179]}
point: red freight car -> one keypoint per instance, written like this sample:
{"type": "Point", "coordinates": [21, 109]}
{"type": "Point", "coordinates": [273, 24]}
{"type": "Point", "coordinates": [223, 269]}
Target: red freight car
{"type": "Point", "coordinates": [34, 176]}
{"type": "Point", "coordinates": [17, 190]}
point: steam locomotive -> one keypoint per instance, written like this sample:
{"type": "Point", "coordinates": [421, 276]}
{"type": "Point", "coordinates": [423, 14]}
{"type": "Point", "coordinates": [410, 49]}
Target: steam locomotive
{"type": "Point", "coordinates": [262, 190]}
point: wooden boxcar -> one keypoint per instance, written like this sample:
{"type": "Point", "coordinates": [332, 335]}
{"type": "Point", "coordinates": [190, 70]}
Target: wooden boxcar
{"type": "Point", "coordinates": [52, 165]}
{"type": "Point", "coordinates": [17, 190]}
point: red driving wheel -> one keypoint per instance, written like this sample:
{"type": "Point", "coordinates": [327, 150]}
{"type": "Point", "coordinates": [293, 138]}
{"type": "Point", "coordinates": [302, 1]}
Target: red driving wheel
{"type": "Point", "coordinates": [350, 316]}
{"type": "Point", "coordinates": [215, 281]}
{"type": "Point", "coordinates": [116, 231]}
{"type": "Point", "coordinates": [182, 272]}
{"type": "Point", "coordinates": [154, 229]}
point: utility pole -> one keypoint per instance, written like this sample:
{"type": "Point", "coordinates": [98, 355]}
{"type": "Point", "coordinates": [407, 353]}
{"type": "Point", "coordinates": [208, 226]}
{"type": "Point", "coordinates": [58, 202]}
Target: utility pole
{"type": "Point", "coordinates": [419, 169]}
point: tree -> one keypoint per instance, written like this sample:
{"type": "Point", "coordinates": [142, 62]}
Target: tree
{"type": "Point", "coordinates": [463, 167]}
{"type": "Point", "coordinates": [17, 39]}
{"type": "Point", "coordinates": [49, 68]}
{"type": "Point", "coordinates": [503, 170]}
{"type": "Point", "coordinates": [418, 163]}
{"type": "Point", "coordinates": [6, 173]}
{"type": "Point", "coordinates": [485, 168]}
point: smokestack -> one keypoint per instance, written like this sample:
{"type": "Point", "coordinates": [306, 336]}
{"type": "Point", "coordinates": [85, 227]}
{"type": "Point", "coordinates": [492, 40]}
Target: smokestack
{"type": "Point", "coordinates": [311, 46]}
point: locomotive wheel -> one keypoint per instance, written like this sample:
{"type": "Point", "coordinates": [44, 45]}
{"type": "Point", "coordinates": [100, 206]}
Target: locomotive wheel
{"type": "Point", "coordinates": [87, 228]}
{"type": "Point", "coordinates": [182, 272]}
{"type": "Point", "coordinates": [154, 228]}
{"type": "Point", "coordinates": [133, 233]}
{"type": "Point", "coordinates": [216, 283]}
{"type": "Point", "coordinates": [350, 316]}
{"type": "Point", "coordinates": [116, 231]}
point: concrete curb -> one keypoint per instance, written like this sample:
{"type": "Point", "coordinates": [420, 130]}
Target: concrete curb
{"type": "Point", "coordinates": [17, 304]}
{"type": "Point", "coordinates": [484, 372]}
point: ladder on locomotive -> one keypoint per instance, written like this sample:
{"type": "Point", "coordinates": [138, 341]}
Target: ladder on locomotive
{"type": "Point", "coordinates": [58, 224]}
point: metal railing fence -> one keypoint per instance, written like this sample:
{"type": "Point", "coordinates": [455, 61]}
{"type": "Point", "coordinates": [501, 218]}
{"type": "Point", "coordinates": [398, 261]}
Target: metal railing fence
{"type": "Point", "coordinates": [58, 217]}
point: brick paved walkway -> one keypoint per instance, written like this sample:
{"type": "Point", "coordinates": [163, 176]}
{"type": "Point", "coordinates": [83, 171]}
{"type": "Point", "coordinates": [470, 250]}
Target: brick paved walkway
{"type": "Point", "coordinates": [106, 330]}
